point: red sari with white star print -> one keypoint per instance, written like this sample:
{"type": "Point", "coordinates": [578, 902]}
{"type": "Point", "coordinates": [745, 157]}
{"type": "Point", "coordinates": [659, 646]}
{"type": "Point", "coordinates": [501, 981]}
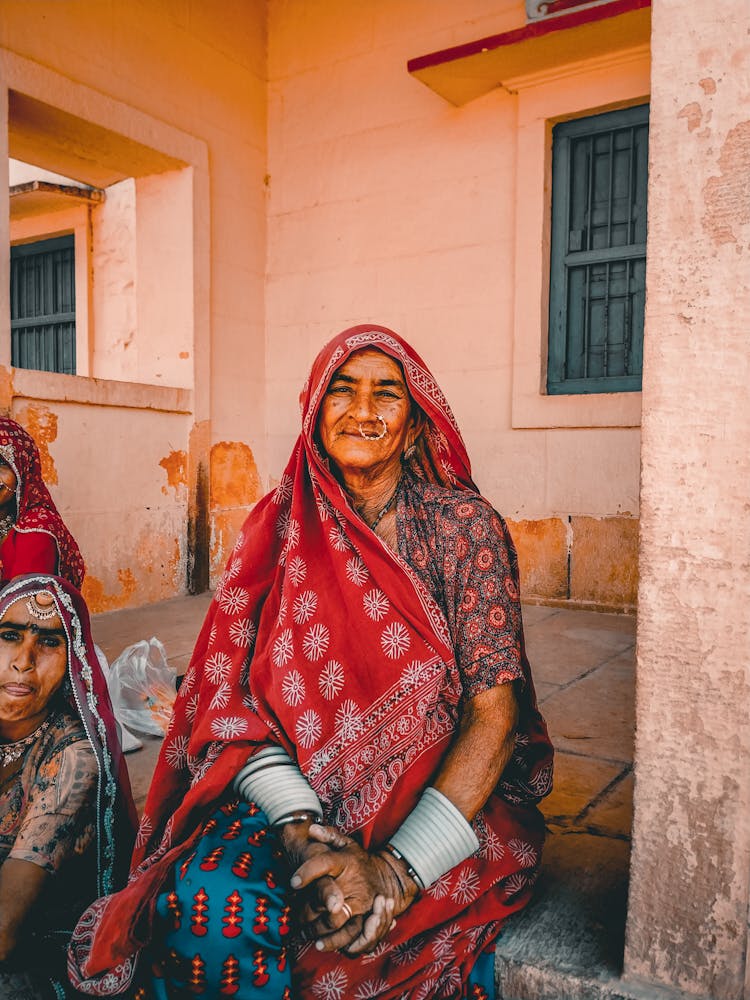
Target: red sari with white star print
{"type": "Point", "coordinates": [356, 660]}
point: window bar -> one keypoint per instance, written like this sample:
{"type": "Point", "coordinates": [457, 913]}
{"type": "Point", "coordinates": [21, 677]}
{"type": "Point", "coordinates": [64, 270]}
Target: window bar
{"type": "Point", "coordinates": [586, 320]}
{"type": "Point", "coordinates": [59, 273]}
{"type": "Point", "coordinates": [610, 186]}
{"type": "Point", "coordinates": [30, 290]}
{"type": "Point", "coordinates": [605, 359]}
{"type": "Point", "coordinates": [627, 332]}
{"type": "Point", "coordinates": [46, 279]}
{"type": "Point", "coordinates": [631, 185]}
{"type": "Point", "coordinates": [13, 290]}
{"type": "Point", "coordinates": [589, 241]}
{"type": "Point", "coordinates": [590, 195]}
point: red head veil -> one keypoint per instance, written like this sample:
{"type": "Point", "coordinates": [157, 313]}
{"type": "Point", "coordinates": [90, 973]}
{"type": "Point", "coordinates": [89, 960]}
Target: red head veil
{"type": "Point", "coordinates": [35, 508]}
{"type": "Point", "coordinates": [88, 698]}
{"type": "Point", "coordinates": [319, 638]}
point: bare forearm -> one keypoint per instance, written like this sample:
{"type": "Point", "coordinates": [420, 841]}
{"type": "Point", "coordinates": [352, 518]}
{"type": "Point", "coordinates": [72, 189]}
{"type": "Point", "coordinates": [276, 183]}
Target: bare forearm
{"type": "Point", "coordinates": [481, 751]}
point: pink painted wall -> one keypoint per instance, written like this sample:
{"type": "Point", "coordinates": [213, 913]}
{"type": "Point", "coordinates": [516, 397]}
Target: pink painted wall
{"type": "Point", "coordinates": [339, 190]}
{"type": "Point", "coordinates": [389, 204]}
{"type": "Point", "coordinates": [179, 313]}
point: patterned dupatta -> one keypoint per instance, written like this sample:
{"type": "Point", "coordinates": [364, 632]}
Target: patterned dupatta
{"type": "Point", "coordinates": [88, 698]}
{"type": "Point", "coordinates": [319, 638]}
{"type": "Point", "coordinates": [35, 508]}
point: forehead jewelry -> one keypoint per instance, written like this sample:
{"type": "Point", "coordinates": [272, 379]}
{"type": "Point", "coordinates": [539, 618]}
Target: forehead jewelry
{"type": "Point", "coordinates": [41, 605]}
{"type": "Point", "coordinates": [374, 437]}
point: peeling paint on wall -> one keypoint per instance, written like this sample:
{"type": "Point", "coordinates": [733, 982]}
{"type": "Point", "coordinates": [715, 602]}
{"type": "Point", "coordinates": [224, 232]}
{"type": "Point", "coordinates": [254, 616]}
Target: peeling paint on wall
{"type": "Point", "coordinates": [604, 561]}
{"type": "Point", "coordinates": [6, 389]}
{"type": "Point", "coordinates": [41, 423]}
{"type": "Point", "coordinates": [542, 557]}
{"type": "Point", "coordinates": [156, 573]}
{"type": "Point", "coordinates": [234, 475]}
{"type": "Point", "coordinates": [579, 561]}
{"type": "Point", "coordinates": [225, 526]}
{"type": "Point", "coordinates": [175, 466]}
{"type": "Point", "coordinates": [727, 196]}
{"type": "Point", "coordinates": [235, 486]}
{"type": "Point", "coordinates": [693, 113]}
{"type": "Point", "coordinates": [98, 598]}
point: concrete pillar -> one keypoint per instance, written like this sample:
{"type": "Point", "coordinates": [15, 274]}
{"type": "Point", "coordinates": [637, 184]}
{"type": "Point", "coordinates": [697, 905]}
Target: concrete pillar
{"type": "Point", "coordinates": [688, 910]}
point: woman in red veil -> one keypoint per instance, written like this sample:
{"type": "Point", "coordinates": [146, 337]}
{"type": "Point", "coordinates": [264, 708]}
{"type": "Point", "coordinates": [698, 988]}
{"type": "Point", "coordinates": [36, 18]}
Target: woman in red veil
{"type": "Point", "coordinates": [359, 705]}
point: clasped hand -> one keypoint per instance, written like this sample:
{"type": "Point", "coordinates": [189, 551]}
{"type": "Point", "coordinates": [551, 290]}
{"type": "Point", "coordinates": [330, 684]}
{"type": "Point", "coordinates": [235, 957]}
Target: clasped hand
{"type": "Point", "coordinates": [347, 898]}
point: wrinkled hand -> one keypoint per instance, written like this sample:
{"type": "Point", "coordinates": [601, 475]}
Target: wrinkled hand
{"type": "Point", "coordinates": [299, 848]}
{"type": "Point", "coordinates": [351, 897]}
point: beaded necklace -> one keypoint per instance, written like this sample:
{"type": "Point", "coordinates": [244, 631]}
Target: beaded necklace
{"type": "Point", "coordinates": [10, 752]}
{"type": "Point", "coordinates": [384, 510]}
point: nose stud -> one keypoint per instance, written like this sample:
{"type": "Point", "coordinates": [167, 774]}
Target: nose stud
{"type": "Point", "coordinates": [374, 437]}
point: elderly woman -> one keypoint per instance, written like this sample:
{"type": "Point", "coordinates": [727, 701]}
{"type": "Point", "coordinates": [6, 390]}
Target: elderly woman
{"type": "Point", "coordinates": [33, 536]}
{"type": "Point", "coordinates": [66, 814]}
{"type": "Point", "coordinates": [361, 683]}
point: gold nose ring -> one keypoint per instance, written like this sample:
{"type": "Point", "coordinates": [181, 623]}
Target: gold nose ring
{"type": "Point", "coordinates": [374, 437]}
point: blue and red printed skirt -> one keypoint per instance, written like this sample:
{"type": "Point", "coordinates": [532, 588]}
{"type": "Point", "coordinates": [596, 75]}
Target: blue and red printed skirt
{"type": "Point", "coordinates": [224, 928]}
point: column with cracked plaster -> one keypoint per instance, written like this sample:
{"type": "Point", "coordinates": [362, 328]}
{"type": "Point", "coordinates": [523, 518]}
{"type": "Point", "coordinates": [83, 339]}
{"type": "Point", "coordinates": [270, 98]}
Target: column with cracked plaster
{"type": "Point", "coordinates": [690, 875]}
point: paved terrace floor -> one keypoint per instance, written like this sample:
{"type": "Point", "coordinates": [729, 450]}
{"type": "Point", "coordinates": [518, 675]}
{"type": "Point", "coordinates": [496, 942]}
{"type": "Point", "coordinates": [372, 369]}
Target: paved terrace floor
{"type": "Point", "coordinates": [568, 943]}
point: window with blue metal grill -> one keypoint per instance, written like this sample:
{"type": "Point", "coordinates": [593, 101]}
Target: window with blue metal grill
{"type": "Point", "coordinates": [43, 304]}
{"type": "Point", "coordinates": [598, 255]}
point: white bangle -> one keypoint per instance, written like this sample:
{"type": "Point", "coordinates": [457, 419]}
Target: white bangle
{"type": "Point", "coordinates": [434, 838]}
{"type": "Point", "coordinates": [276, 785]}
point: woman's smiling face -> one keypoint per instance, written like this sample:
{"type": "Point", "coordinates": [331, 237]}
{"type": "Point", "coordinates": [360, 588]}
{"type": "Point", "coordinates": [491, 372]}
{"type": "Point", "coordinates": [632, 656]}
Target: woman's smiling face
{"type": "Point", "coordinates": [368, 390]}
{"type": "Point", "coordinates": [33, 664]}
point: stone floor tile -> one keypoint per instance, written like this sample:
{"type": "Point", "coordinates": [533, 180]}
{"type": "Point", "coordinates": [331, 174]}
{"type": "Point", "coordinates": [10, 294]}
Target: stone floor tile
{"type": "Point", "coordinates": [533, 614]}
{"type": "Point", "coordinates": [544, 689]}
{"type": "Point", "coordinates": [175, 623]}
{"type": "Point", "coordinates": [578, 782]}
{"type": "Point", "coordinates": [566, 647]}
{"type": "Point", "coordinates": [595, 717]}
{"type": "Point", "coordinates": [180, 663]}
{"type": "Point", "coordinates": [575, 924]}
{"type": "Point", "coordinates": [613, 814]}
{"type": "Point", "coordinates": [568, 618]}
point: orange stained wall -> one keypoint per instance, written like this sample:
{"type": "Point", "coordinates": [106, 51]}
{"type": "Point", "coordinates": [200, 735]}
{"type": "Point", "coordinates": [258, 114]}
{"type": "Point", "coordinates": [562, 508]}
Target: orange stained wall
{"type": "Point", "coordinates": [178, 356]}
{"type": "Point", "coordinates": [389, 204]}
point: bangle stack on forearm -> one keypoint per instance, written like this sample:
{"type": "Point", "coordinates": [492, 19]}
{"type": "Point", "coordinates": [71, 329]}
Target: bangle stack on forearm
{"type": "Point", "coordinates": [276, 785]}
{"type": "Point", "coordinates": [433, 838]}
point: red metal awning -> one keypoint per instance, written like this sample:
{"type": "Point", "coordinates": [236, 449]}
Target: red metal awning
{"type": "Point", "coordinates": [461, 73]}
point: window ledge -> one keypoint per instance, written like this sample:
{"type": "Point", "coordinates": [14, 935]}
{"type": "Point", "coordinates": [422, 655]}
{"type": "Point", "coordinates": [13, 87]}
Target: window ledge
{"type": "Point", "coordinates": [52, 387]}
{"type": "Point", "coordinates": [532, 409]}
{"type": "Point", "coordinates": [464, 72]}
{"type": "Point", "coordinates": [41, 197]}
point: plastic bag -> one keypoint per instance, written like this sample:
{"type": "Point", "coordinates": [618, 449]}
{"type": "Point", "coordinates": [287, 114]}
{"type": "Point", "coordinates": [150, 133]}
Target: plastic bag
{"type": "Point", "coordinates": [143, 687]}
{"type": "Point", "coordinates": [128, 741]}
